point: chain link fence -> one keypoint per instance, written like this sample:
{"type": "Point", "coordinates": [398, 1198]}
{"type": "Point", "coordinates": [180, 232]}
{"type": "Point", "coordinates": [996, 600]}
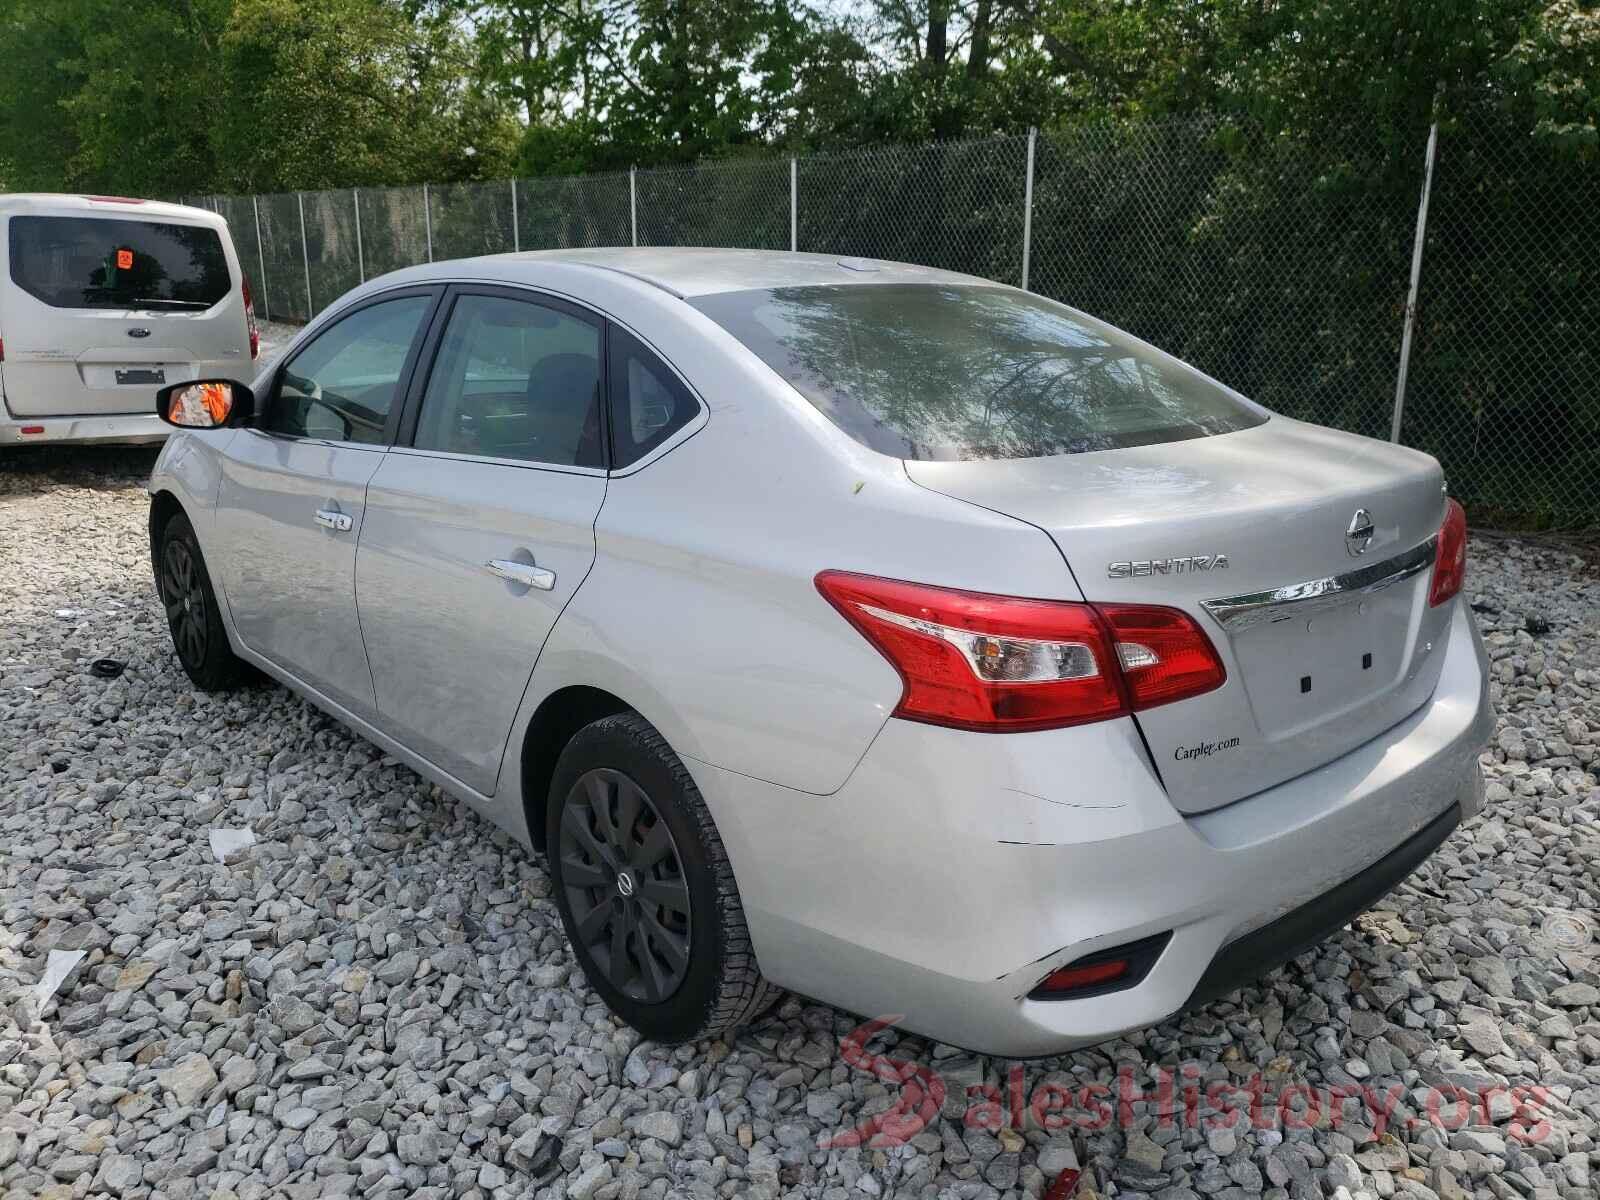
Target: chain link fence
{"type": "Point", "coordinates": [1279, 262]}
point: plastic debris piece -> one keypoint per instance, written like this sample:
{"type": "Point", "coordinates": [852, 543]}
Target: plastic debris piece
{"type": "Point", "coordinates": [1567, 930]}
{"type": "Point", "coordinates": [69, 613]}
{"type": "Point", "coordinates": [545, 1163]}
{"type": "Point", "coordinates": [56, 969]}
{"type": "Point", "coordinates": [230, 841]}
{"type": "Point", "coordinates": [1065, 1185]}
{"type": "Point", "coordinates": [107, 668]}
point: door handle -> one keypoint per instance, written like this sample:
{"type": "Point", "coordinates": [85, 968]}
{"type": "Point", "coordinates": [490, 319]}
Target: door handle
{"type": "Point", "coordinates": [526, 574]}
{"type": "Point", "coordinates": [337, 521]}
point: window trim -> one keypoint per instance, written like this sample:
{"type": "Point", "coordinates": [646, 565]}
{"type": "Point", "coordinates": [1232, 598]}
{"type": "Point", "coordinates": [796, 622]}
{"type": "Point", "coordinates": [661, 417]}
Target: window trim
{"type": "Point", "coordinates": [406, 434]}
{"type": "Point", "coordinates": [402, 385]}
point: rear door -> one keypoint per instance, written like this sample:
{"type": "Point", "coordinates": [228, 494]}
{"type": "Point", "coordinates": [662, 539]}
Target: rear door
{"type": "Point", "coordinates": [480, 530]}
{"type": "Point", "coordinates": [100, 310]}
{"type": "Point", "coordinates": [292, 498]}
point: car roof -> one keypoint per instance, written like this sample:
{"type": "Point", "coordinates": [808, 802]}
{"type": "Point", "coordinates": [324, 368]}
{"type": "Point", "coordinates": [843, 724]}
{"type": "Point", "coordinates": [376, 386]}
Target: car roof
{"type": "Point", "coordinates": [699, 271]}
{"type": "Point", "coordinates": [129, 207]}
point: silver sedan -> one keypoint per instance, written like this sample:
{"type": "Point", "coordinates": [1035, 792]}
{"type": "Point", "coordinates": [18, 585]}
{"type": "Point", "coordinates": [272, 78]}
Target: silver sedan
{"type": "Point", "coordinates": [907, 640]}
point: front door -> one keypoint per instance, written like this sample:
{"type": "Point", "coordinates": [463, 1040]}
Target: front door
{"type": "Point", "coordinates": [293, 495]}
{"type": "Point", "coordinates": [478, 533]}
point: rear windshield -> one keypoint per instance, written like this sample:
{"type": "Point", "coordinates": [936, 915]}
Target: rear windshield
{"type": "Point", "coordinates": [922, 371]}
{"type": "Point", "coordinates": [97, 262]}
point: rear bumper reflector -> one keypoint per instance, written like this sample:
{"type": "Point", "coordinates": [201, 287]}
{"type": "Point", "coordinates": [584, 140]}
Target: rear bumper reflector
{"type": "Point", "coordinates": [1112, 970]}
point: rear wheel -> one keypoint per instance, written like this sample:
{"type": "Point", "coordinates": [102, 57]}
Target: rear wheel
{"type": "Point", "coordinates": [645, 888]}
{"type": "Point", "coordinates": [192, 613]}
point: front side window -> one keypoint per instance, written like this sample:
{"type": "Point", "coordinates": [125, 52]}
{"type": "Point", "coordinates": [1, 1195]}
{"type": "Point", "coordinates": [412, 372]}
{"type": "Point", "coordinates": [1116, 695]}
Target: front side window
{"type": "Point", "coordinates": [515, 379]}
{"type": "Point", "coordinates": [928, 371]}
{"type": "Point", "coordinates": [107, 262]}
{"type": "Point", "coordinates": [341, 386]}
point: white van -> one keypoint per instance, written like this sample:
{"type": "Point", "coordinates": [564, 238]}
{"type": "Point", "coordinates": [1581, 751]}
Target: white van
{"type": "Point", "coordinates": [104, 300]}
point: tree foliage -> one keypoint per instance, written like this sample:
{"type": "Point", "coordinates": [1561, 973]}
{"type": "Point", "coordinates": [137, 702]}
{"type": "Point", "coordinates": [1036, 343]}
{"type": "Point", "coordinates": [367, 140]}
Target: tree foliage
{"type": "Point", "coordinates": [167, 96]}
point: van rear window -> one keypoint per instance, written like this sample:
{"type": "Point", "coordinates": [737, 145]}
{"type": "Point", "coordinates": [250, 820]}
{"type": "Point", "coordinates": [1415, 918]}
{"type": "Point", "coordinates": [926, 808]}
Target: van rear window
{"type": "Point", "coordinates": [99, 262]}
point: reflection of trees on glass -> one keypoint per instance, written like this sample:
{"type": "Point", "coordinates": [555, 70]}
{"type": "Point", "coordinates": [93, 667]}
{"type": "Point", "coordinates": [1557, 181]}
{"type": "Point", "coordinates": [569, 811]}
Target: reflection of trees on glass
{"type": "Point", "coordinates": [207, 279]}
{"type": "Point", "coordinates": [926, 372]}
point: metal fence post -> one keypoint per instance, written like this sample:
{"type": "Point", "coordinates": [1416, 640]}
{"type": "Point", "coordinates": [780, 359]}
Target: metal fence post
{"type": "Point", "coordinates": [305, 252]}
{"type": "Point", "coordinates": [261, 257]}
{"type": "Point", "coordinates": [633, 202]}
{"type": "Point", "coordinates": [1416, 276]}
{"type": "Point", "coordinates": [361, 258]}
{"type": "Point", "coordinates": [1027, 210]}
{"type": "Point", "coordinates": [516, 232]}
{"type": "Point", "coordinates": [427, 220]}
{"type": "Point", "coordinates": [794, 204]}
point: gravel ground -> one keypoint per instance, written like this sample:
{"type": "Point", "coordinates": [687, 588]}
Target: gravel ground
{"type": "Point", "coordinates": [376, 997]}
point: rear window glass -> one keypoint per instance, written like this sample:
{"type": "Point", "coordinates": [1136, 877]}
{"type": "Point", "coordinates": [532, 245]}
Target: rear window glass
{"type": "Point", "coordinates": [97, 262]}
{"type": "Point", "coordinates": [923, 371]}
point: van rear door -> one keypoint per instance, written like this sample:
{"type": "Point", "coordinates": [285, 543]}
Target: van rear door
{"type": "Point", "coordinates": [100, 311]}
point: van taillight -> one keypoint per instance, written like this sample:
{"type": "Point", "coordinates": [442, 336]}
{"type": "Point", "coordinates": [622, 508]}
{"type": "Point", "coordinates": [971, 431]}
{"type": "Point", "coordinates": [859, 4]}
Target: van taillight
{"type": "Point", "coordinates": [250, 319]}
{"type": "Point", "coordinates": [999, 663]}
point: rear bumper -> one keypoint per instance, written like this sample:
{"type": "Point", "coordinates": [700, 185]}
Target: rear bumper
{"type": "Point", "coordinates": [1241, 962]}
{"type": "Point", "coordinates": [133, 427]}
{"type": "Point", "coordinates": [953, 871]}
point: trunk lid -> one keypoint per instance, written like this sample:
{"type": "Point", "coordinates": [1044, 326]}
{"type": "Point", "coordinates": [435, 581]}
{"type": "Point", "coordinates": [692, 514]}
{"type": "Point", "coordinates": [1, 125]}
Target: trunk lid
{"type": "Point", "coordinates": [1247, 532]}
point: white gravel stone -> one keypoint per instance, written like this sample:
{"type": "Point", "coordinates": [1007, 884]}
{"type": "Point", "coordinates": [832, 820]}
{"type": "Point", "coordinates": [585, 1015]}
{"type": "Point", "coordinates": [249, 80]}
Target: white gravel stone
{"type": "Point", "coordinates": [190, 1079]}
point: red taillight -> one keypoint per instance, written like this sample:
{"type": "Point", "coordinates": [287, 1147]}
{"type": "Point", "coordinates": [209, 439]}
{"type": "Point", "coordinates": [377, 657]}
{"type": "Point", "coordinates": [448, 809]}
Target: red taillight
{"type": "Point", "coordinates": [1450, 562]}
{"type": "Point", "coordinates": [250, 320]}
{"type": "Point", "coordinates": [2, 349]}
{"type": "Point", "coordinates": [1002, 664]}
{"type": "Point", "coordinates": [1163, 654]}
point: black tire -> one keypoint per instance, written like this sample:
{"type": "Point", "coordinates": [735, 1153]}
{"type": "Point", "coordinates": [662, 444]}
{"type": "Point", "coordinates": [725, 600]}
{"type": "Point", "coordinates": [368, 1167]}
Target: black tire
{"type": "Point", "coordinates": [689, 883]}
{"type": "Point", "coordinates": [184, 587]}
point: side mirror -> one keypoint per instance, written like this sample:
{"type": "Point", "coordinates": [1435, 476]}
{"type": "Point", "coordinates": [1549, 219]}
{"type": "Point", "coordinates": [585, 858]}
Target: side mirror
{"type": "Point", "coordinates": [208, 404]}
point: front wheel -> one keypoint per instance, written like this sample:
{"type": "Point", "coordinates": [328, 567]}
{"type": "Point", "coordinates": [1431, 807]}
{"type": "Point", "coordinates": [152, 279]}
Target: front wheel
{"type": "Point", "coordinates": [192, 613]}
{"type": "Point", "coordinates": [645, 888]}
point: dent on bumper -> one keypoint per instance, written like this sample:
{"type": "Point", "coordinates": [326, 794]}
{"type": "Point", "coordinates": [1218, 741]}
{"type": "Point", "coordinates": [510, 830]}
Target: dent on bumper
{"type": "Point", "coordinates": [939, 883]}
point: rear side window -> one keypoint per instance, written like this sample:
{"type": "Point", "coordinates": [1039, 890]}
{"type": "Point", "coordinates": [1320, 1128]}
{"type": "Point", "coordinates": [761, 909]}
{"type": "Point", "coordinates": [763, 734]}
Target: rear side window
{"type": "Point", "coordinates": [924, 371]}
{"type": "Point", "coordinates": [101, 262]}
{"type": "Point", "coordinates": [515, 379]}
{"type": "Point", "coordinates": [648, 402]}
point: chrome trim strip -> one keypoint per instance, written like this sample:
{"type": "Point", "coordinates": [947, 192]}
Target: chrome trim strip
{"type": "Point", "coordinates": [1248, 609]}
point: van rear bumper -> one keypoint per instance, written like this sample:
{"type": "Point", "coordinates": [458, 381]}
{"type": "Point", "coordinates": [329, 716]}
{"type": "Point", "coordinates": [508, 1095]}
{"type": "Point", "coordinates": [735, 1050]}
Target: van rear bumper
{"type": "Point", "coordinates": [125, 427]}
